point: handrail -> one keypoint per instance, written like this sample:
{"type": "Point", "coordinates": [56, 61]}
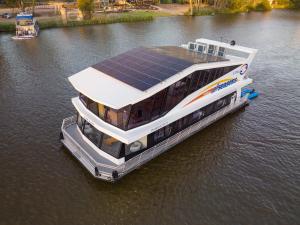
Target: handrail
{"type": "Point", "coordinates": [70, 121]}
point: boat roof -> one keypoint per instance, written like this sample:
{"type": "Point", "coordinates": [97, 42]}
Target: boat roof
{"type": "Point", "coordinates": [129, 77]}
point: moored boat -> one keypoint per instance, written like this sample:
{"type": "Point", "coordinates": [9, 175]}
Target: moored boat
{"type": "Point", "coordinates": [26, 26]}
{"type": "Point", "coordinates": [135, 106]}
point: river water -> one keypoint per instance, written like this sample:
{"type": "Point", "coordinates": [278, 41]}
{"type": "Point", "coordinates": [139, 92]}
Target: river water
{"type": "Point", "coordinates": [244, 169]}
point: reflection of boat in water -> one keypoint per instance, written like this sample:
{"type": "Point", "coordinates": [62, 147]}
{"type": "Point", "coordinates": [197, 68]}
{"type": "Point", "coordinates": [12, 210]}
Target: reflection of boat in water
{"type": "Point", "coordinates": [135, 106]}
{"type": "Point", "coordinates": [26, 27]}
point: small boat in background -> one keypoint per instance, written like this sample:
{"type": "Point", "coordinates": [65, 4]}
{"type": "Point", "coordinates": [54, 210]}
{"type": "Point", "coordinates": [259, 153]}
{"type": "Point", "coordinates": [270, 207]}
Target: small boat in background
{"type": "Point", "coordinates": [26, 26]}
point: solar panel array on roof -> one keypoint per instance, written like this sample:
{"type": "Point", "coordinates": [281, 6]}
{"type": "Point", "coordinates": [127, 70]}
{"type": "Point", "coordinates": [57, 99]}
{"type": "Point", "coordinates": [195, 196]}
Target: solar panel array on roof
{"type": "Point", "coordinates": [143, 68]}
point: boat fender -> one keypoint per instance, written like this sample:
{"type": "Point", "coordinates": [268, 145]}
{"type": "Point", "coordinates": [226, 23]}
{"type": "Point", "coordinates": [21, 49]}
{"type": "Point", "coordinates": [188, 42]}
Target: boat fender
{"type": "Point", "coordinates": [61, 136]}
{"type": "Point", "coordinates": [115, 174]}
{"type": "Point", "coordinates": [232, 43]}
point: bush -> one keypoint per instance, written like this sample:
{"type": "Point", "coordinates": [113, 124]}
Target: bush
{"type": "Point", "coordinates": [264, 5]}
{"type": "Point", "coordinates": [235, 4]}
{"type": "Point", "coordinates": [86, 7]}
{"type": "Point", "coordinates": [296, 3]}
{"type": "Point", "coordinates": [166, 1]}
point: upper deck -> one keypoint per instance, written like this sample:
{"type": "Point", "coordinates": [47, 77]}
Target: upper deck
{"type": "Point", "coordinates": [143, 72]}
{"type": "Point", "coordinates": [143, 68]}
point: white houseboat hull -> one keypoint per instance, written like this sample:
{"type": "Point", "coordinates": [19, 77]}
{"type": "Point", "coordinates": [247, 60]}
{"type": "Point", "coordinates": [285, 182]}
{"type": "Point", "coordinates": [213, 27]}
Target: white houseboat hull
{"type": "Point", "coordinates": [104, 169]}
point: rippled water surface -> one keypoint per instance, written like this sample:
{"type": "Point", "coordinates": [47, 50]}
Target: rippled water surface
{"type": "Point", "coordinates": [244, 169]}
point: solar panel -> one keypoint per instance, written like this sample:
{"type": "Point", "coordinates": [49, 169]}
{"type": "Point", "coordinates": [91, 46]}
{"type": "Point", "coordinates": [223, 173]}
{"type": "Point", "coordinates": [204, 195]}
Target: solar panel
{"type": "Point", "coordinates": [143, 68]}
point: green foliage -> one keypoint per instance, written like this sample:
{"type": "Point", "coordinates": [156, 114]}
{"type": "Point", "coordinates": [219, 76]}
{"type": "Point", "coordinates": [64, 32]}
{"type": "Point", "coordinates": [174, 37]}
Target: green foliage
{"type": "Point", "coordinates": [296, 4]}
{"type": "Point", "coordinates": [236, 4]}
{"type": "Point", "coordinates": [264, 5]}
{"type": "Point", "coordinates": [103, 19]}
{"type": "Point", "coordinates": [11, 3]}
{"type": "Point", "coordinates": [7, 27]}
{"type": "Point", "coordinates": [171, 1]}
{"type": "Point", "coordinates": [166, 1]}
{"type": "Point", "coordinates": [86, 7]}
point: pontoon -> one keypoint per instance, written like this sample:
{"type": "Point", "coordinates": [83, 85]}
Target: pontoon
{"type": "Point", "coordinates": [135, 106]}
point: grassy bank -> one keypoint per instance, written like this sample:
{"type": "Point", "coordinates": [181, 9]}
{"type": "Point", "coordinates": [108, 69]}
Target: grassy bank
{"type": "Point", "coordinates": [126, 17]}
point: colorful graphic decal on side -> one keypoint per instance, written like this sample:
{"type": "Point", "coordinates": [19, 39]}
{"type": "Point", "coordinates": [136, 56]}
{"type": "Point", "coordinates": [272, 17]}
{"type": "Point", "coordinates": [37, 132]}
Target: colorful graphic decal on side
{"type": "Point", "coordinates": [216, 86]}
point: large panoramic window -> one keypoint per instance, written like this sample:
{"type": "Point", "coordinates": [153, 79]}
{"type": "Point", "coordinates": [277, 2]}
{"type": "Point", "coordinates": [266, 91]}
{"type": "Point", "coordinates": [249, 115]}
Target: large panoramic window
{"type": "Point", "coordinates": [140, 113]}
{"type": "Point", "coordinates": [179, 125]}
{"type": "Point", "coordinates": [157, 105]}
{"type": "Point", "coordinates": [103, 141]}
{"type": "Point", "coordinates": [176, 92]}
{"type": "Point", "coordinates": [111, 145]}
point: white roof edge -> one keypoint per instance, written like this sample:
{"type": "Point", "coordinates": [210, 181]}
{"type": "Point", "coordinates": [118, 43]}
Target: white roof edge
{"type": "Point", "coordinates": [101, 87]}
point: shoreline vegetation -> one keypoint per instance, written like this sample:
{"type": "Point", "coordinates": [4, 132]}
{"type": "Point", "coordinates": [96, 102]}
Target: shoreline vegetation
{"type": "Point", "coordinates": [109, 18]}
{"type": "Point", "coordinates": [214, 7]}
{"type": "Point", "coordinates": [198, 9]}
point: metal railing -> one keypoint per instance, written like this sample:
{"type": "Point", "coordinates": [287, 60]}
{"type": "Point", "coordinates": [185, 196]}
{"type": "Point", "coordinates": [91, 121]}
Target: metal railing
{"type": "Point", "coordinates": [102, 168]}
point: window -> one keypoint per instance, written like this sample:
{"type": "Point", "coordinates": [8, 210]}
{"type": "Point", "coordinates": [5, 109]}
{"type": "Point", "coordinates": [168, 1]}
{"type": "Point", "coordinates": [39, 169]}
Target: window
{"type": "Point", "coordinates": [101, 110]}
{"type": "Point", "coordinates": [80, 121]}
{"type": "Point", "coordinates": [123, 116]}
{"type": "Point", "coordinates": [103, 141]}
{"type": "Point", "coordinates": [111, 146]}
{"type": "Point", "coordinates": [211, 76]}
{"type": "Point", "coordinates": [201, 48]}
{"type": "Point", "coordinates": [211, 50]}
{"type": "Point", "coordinates": [158, 103]}
{"type": "Point", "coordinates": [221, 52]}
{"type": "Point", "coordinates": [203, 78]}
{"type": "Point", "coordinates": [196, 116]}
{"type": "Point", "coordinates": [112, 116]}
{"type": "Point", "coordinates": [136, 147]}
{"type": "Point", "coordinates": [84, 99]}
{"type": "Point", "coordinates": [93, 107]}
{"type": "Point", "coordinates": [91, 133]}
{"type": "Point", "coordinates": [220, 73]}
{"type": "Point", "coordinates": [140, 113]}
{"type": "Point", "coordinates": [192, 46]}
{"type": "Point", "coordinates": [176, 92]}
{"type": "Point", "coordinates": [179, 125]}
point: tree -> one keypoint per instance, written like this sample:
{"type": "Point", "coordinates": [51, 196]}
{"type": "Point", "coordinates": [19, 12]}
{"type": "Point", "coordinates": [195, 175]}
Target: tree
{"type": "Point", "coordinates": [296, 3]}
{"type": "Point", "coordinates": [86, 7]}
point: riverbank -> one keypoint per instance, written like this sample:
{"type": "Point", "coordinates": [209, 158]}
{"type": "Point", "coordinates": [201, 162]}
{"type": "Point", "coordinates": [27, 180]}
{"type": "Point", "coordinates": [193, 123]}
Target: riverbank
{"type": "Point", "coordinates": [135, 16]}
{"type": "Point", "coordinates": [125, 17]}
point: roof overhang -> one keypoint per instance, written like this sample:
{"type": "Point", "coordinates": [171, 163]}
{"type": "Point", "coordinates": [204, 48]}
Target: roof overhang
{"type": "Point", "coordinates": [104, 89]}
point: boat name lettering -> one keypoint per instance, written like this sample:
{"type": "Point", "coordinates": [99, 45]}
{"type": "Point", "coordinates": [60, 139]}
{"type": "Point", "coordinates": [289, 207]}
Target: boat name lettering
{"type": "Point", "coordinates": [224, 85]}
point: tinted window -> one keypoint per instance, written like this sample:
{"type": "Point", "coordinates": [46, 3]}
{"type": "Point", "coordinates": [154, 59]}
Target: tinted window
{"type": "Point", "coordinates": [111, 146]}
{"type": "Point", "coordinates": [140, 113]}
{"type": "Point", "coordinates": [176, 92]}
{"type": "Point", "coordinates": [211, 49]}
{"type": "Point", "coordinates": [158, 103]}
{"type": "Point", "coordinates": [194, 81]}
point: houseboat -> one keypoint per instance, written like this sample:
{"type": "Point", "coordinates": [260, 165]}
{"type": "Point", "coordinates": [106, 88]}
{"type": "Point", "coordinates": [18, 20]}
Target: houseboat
{"type": "Point", "coordinates": [135, 106]}
{"type": "Point", "coordinates": [26, 26]}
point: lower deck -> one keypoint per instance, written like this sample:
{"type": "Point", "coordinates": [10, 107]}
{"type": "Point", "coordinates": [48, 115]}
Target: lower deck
{"type": "Point", "coordinates": [100, 167]}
